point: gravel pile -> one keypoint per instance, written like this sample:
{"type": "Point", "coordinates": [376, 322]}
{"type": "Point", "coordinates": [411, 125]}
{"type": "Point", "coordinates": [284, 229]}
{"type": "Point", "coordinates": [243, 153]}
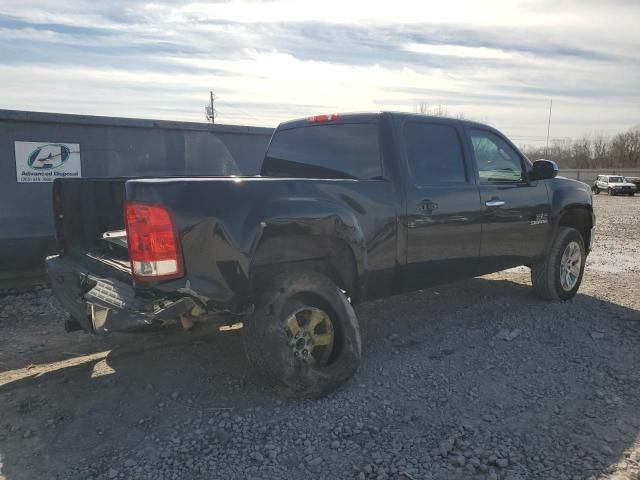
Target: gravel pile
{"type": "Point", "coordinates": [475, 380]}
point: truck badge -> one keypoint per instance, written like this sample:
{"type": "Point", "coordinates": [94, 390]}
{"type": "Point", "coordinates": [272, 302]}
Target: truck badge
{"type": "Point", "coordinates": [541, 218]}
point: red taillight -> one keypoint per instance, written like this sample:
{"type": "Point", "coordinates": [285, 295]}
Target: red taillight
{"type": "Point", "coordinates": [322, 118]}
{"type": "Point", "coordinates": [154, 250]}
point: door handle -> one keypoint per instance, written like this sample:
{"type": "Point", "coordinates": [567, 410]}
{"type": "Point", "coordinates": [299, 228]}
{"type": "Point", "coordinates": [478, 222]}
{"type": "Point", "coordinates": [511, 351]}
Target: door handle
{"type": "Point", "coordinates": [494, 203]}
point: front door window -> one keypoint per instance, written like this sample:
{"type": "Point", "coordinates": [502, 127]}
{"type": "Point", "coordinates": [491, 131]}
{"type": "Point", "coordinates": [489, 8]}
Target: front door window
{"type": "Point", "coordinates": [497, 161]}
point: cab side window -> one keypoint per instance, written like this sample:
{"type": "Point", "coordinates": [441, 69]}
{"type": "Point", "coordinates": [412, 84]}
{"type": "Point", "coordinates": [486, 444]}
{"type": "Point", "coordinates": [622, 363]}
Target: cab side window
{"type": "Point", "coordinates": [434, 153]}
{"type": "Point", "coordinates": [497, 161]}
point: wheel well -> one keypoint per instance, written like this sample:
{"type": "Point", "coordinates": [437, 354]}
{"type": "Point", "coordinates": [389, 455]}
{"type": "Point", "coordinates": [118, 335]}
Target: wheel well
{"type": "Point", "coordinates": [581, 220]}
{"type": "Point", "coordinates": [330, 256]}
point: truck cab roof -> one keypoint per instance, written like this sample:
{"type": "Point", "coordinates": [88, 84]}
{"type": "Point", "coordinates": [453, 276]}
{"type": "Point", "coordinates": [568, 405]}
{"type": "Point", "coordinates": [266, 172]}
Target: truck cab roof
{"type": "Point", "coordinates": [366, 117]}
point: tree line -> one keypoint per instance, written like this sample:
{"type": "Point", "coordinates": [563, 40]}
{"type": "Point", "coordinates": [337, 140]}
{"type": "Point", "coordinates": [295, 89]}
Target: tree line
{"type": "Point", "coordinates": [594, 151]}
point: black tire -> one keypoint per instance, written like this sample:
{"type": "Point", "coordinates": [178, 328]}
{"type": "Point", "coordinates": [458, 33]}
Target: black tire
{"type": "Point", "coordinates": [596, 190]}
{"type": "Point", "coordinates": [268, 344]}
{"type": "Point", "coordinates": [545, 275]}
{"type": "Point", "coordinates": [610, 192]}
{"type": "Point", "coordinates": [632, 194]}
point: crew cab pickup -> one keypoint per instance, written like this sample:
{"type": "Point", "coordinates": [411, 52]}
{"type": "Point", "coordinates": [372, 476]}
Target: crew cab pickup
{"type": "Point", "coordinates": [347, 208]}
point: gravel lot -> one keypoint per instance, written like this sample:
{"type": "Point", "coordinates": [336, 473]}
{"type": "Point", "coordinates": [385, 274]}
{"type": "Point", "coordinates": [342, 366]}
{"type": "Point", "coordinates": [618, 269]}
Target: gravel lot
{"type": "Point", "coordinates": [477, 379]}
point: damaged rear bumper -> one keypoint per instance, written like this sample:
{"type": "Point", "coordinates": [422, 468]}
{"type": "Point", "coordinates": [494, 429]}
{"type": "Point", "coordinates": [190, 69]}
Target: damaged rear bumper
{"type": "Point", "coordinates": [105, 305]}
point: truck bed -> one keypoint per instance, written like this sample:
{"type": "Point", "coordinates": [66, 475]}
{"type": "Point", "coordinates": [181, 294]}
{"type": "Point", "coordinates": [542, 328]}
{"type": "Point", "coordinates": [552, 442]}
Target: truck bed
{"type": "Point", "coordinates": [85, 211]}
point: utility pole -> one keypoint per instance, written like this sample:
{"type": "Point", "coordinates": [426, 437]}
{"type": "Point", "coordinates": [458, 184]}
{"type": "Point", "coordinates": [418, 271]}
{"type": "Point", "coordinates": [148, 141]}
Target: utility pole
{"type": "Point", "coordinates": [546, 151]}
{"type": "Point", "coordinates": [210, 110]}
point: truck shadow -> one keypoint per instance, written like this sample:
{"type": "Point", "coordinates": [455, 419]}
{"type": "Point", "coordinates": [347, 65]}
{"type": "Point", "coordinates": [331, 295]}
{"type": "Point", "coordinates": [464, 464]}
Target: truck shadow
{"type": "Point", "coordinates": [146, 384]}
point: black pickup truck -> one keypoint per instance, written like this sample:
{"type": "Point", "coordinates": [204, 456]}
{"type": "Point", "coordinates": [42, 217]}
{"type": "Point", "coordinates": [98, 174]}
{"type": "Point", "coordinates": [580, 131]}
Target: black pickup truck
{"type": "Point", "coordinates": [347, 208]}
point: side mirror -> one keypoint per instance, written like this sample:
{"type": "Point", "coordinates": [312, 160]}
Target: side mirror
{"type": "Point", "coordinates": [543, 169]}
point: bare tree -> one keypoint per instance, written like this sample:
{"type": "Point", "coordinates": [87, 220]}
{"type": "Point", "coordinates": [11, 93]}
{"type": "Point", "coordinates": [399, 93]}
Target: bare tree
{"type": "Point", "coordinates": [581, 152]}
{"type": "Point", "coordinates": [595, 151]}
{"type": "Point", "coordinates": [600, 146]}
{"type": "Point", "coordinates": [438, 111]}
{"type": "Point", "coordinates": [424, 109]}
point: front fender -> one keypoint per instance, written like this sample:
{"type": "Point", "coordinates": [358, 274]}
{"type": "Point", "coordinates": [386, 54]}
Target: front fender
{"type": "Point", "coordinates": [567, 194]}
{"type": "Point", "coordinates": [569, 197]}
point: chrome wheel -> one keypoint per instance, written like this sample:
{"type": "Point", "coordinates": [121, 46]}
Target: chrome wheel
{"type": "Point", "coordinates": [570, 266]}
{"type": "Point", "coordinates": [311, 335]}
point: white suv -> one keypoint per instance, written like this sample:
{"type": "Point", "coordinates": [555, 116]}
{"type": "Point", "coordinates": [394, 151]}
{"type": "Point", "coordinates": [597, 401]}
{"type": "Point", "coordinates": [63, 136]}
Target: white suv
{"type": "Point", "coordinates": [613, 185]}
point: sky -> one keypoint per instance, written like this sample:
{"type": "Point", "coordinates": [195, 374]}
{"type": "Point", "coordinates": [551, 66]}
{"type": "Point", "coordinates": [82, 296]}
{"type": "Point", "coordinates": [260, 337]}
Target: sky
{"type": "Point", "coordinates": [495, 61]}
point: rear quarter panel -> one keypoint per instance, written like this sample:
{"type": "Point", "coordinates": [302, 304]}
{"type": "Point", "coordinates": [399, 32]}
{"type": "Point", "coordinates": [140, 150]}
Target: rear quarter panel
{"type": "Point", "coordinates": [223, 222]}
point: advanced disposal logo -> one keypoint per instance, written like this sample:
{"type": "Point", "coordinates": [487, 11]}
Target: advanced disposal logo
{"type": "Point", "coordinates": [44, 161]}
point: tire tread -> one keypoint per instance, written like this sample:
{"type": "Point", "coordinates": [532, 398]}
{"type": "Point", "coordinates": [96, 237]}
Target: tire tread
{"type": "Point", "coordinates": [543, 274]}
{"type": "Point", "coordinates": [258, 352]}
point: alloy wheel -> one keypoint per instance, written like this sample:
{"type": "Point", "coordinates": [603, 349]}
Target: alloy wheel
{"type": "Point", "coordinates": [311, 335]}
{"type": "Point", "coordinates": [570, 266]}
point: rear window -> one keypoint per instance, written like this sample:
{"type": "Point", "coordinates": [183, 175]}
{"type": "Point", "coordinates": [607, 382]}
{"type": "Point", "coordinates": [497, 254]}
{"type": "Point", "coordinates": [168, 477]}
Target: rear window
{"type": "Point", "coordinates": [348, 150]}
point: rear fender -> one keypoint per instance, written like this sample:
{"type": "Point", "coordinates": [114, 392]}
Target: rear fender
{"type": "Point", "coordinates": [321, 236]}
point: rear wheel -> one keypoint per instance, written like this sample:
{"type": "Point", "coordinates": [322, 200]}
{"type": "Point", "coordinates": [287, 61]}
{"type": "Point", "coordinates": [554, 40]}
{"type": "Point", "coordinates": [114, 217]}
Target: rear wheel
{"type": "Point", "coordinates": [303, 339]}
{"type": "Point", "coordinates": [559, 275]}
{"type": "Point", "coordinates": [610, 192]}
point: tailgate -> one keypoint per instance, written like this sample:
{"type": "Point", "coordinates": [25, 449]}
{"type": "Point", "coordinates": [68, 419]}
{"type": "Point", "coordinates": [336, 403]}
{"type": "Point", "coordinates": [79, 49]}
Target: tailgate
{"type": "Point", "coordinates": [89, 222]}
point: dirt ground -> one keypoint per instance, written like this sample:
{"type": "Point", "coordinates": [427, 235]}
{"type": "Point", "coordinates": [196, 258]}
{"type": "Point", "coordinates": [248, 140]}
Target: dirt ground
{"type": "Point", "coordinates": [477, 379]}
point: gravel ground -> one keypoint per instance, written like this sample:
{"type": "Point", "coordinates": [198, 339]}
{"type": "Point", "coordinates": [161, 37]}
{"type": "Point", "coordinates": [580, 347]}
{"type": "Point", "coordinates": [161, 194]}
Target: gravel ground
{"type": "Point", "coordinates": [478, 380]}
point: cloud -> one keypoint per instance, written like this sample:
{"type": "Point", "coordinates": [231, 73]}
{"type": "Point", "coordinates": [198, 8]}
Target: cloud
{"type": "Point", "coordinates": [448, 50]}
{"type": "Point", "coordinates": [270, 61]}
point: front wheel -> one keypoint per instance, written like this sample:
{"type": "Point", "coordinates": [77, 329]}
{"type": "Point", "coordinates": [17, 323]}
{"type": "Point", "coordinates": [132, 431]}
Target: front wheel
{"type": "Point", "coordinates": [559, 275]}
{"type": "Point", "coordinates": [303, 339]}
{"type": "Point", "coordinates": [596, 190]}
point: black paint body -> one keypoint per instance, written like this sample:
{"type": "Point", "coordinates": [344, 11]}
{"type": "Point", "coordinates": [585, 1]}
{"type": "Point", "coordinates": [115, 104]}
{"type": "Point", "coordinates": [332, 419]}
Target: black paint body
{"type": "Point", "coordinates": [388, 234]}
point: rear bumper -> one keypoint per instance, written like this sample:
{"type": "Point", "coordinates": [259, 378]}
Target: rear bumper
{"type": "Point", "coordinates": [104, 305]}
